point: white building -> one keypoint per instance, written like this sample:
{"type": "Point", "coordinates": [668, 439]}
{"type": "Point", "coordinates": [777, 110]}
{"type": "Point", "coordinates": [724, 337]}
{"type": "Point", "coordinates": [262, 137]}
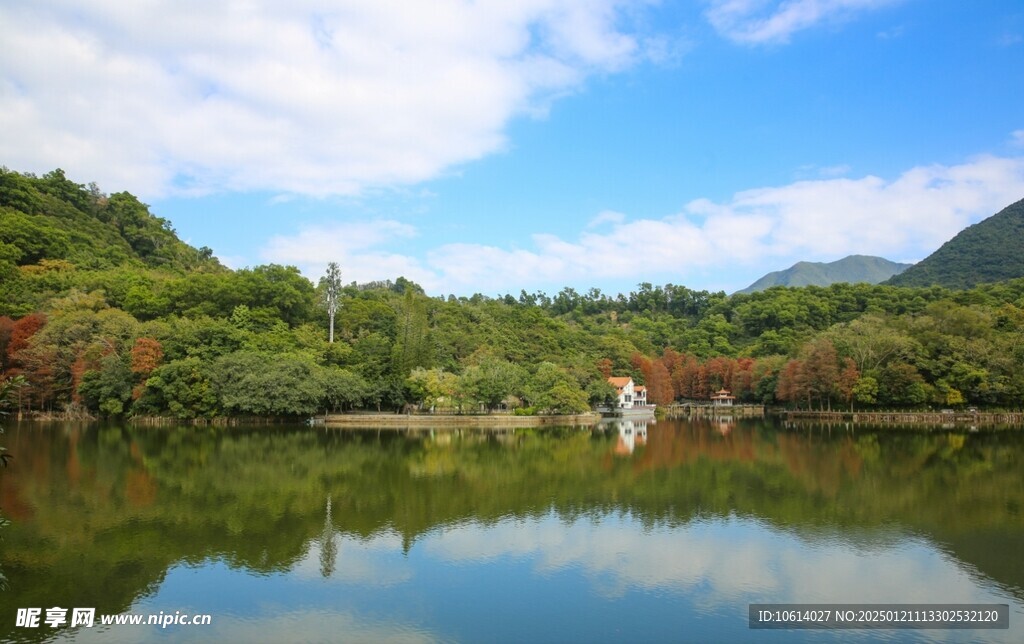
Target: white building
{"type": "Point", "coordinates": [632, 434]}
{"type": "Point", "coordinates": [626, 391]}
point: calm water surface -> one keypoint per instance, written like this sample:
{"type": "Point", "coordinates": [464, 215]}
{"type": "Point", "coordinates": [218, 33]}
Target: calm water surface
{"type": "Point", "coordinates": [663, 532]}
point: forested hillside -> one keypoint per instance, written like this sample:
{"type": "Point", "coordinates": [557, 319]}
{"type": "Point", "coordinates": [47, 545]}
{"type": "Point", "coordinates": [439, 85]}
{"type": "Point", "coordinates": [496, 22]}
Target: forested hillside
{"type": "Point", "coordinates": [852, 269]}
{"type": "Point", "coordinates": [51, 217]}
{"type": "Point", "coordinates": [989, 251]}
{"type": "Point", "coordinates": [125, 319]}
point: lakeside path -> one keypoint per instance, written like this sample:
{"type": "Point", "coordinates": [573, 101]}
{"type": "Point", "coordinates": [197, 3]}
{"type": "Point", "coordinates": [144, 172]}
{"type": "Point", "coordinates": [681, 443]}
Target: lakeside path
{"type": "Point", "coordinates": [444, 421]}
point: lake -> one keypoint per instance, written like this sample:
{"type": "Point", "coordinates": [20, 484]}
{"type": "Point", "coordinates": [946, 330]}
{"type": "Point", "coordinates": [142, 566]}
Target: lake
{"type": "Point", "coordinates": [625, 532]}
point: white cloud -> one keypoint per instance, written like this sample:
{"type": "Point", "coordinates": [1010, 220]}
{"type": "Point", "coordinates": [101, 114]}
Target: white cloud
{"type": "Point", "coordinates": [316, 625]}
{"type": "Point", "coordinates": [834, 171]}
{"type": "Point", "coordinates": [822, 219]}
{"type": "Point", "coordinates": [1017, 138]}
{"type": "Point", "coordinates": [357, 561]}
{"type": "Point", "coordinates": [234, 262]}
{"type": "Point", "coordinates": [323, 243]}
{"type": "Point", "coordinates": [606, 216]}
{"type": "Point", "coordinates": [826, 172]}
{"type": "Point", "coordinates": [355, 246]}
{"type": "Point", "coordinates": [313, 97]}
{"type": "Point", "coordinates": [266, 623]}
{"type": "Point", "coordinates": [891, 34]}
{"type": "Point", "coordinates": [914, 213]}
{"type": "Point", "coordinates": [774, 21]}
{"type": "Point", "coordinates": [720, 561]}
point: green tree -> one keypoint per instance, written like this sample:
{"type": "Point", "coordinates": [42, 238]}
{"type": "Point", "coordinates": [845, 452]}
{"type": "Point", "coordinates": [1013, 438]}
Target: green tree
{"type": "Point", "coordinates": [340, 388]}
{"type": "Point", "coordinates": [601, 392]}
{"type": "Point", "coordinates": [108, 389]}
{"type": "Point", "coordinates": [491, 380]}
{"type": "Point", "coordinates": [412, 343]}
{"type": "Point", "coordinates": [947, 395]}
{"type": "Point", "coordinates": [32, 238]}
{"type": "Point", "coordinates": [866, 390]}
{"type": "Point", "coordinates": [554, 391]}
{"type": "Point", "coordinates": [872, 341]}
{"type": "Point", "coordinates": [901, 384]}
{"type": "Point", "coordinates": [433, 387]}
{"type": "Point", "coordinates": [181, 388]}
{"type": "Point", "coordinates": [265, 384]}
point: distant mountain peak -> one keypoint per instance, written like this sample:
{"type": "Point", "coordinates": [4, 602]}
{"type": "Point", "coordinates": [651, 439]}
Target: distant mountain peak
{"type": "Point", "coordinates": [852, 269]}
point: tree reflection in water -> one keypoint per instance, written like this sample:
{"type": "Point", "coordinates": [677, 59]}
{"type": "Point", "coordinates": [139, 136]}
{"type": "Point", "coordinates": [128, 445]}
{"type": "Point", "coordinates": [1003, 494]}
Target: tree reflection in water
{"type": "Point", "coordinates": [103, 512]}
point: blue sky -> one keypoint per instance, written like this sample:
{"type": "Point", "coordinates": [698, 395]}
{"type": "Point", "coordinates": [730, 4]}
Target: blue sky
{"type": "Point", "coordinates": [498, 146]}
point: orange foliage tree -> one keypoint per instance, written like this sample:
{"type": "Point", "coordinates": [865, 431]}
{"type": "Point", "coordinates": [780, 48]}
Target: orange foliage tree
{"type": "Point", "coordinates": [20, 360]}
{"type": "Point", "coordinates": [656, 379]}
{"type": "Point", "coordinates": [147, 354]}
{"type": "Point", "coordinates": [790, 386]}
{"type": "Point", "coordinates": [848, 378]}
{"type": "Point", "coordinates": [6, 326]}
{"type": "Point", "coordinates": [21, 332]}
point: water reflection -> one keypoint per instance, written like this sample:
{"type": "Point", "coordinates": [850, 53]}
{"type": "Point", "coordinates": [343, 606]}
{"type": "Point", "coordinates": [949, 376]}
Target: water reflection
{"type": "Point", "coordinates": [660, 532]}
{"type": "Point", "coordinates": [632, 434]}
{"type": "Point", "coordinates": [328, 545]}
{"type": "Point", "coordinates": [724, 560]}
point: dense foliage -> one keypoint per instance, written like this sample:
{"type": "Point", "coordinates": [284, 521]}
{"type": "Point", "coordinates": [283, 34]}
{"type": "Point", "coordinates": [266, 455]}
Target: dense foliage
{"type": "Point", "coordinates": [110, 313]}
{"type": "Point", "coordinates": [989, 251]}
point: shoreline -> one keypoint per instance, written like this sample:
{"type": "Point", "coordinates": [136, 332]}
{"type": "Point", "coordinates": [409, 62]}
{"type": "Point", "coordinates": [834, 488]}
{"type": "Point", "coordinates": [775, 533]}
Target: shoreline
{"type": "Point", "coordinates": [932, 419]}
{"type": "Point", "coordinates": [386, 419]}
{"type": "Point", "coordinates": [944, 418]}
{"type": "Point", "coordinates": [425, 421]}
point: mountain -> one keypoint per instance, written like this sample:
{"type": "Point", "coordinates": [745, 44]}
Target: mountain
{"type": "Point", "coordinates": [989, 251]}
{"type": "Point", "coordinates": [852, 269]}
{"type": "Point", "coordinates": [51, 218]}
{"type": "Point", "coordinates": [59, 239]}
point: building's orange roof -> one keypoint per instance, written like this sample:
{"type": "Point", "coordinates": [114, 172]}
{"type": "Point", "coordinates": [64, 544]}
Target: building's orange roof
{"type": "Point", "coordinates": [619, 382]}
{"type": "Point", "coordinates": [639, 388]}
